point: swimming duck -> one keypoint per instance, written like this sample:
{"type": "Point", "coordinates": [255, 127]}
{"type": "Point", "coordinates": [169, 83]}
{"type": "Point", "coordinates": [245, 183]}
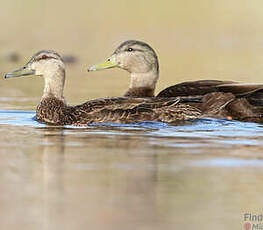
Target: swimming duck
{"type": "Point", "coordinates": [141, 61]}
{"type": "Point", "coordinates": [54, 110]}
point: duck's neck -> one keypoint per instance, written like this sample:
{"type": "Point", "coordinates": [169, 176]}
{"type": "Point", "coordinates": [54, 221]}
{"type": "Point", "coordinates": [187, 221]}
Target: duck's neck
{"type": "Point", "coordinates": [54, 84]}
{"type": "Point", "coordinates": [143, 84]}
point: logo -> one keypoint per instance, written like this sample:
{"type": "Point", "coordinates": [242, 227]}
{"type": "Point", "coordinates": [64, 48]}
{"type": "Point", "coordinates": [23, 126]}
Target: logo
{"type": "Point", "coordinates": [253, 222]}
{"type": "Point", "coordinates": [247, 226]}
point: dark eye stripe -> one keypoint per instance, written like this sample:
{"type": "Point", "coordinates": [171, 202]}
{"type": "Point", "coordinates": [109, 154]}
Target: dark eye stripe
{"type": "Point", "coordinates": [139, 50]}
{"type": "Point", "coordinates": [44, 57]}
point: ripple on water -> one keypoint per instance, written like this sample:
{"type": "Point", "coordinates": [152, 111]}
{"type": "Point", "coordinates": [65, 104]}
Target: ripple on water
{"type": "Point", "coordinates": [228, 162]}
{"type": "Point", "coordinates": [193, 134]}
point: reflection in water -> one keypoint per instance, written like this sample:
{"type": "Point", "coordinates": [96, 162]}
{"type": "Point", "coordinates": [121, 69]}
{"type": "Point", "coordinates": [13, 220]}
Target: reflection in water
{"type": "Point", "coordinates": [129, 187]}
{"type": "Point", "coordinates": [120, 180]}
{"type": "Point", "coordinates": [52, 151]}
{"type": "Point", "coordinates": [150, 176]}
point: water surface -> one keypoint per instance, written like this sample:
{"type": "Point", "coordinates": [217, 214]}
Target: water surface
{"type": "Point", "coordinates": [148, 175]}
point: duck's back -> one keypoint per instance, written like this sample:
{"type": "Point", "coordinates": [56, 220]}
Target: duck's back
{"type": "Point", "coordinates": [202, 87]}
{"type": "Point", "coordinates": [115, 110]}
{"type": "Point", "coordinates": [240, 101]}
{"type": "Point", "coordinates": [132, 110]}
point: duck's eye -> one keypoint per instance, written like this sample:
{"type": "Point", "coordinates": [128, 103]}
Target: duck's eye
{"type": "Point", "coordinates": [44, 57]}
{"type": "Point", "coordinates": [130, 49]}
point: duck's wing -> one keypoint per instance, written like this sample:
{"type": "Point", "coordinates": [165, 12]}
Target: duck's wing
{"type": "Point", "coordinates": [132, 110]}
{"type": "Point", "coordinates": [240, 89]}
{"type": "Point", "coordinates": [203, 87]}
{"type": "Point", "coordinates": [253, 93]}
{"type": "Point", "coordinates": [191, 88]}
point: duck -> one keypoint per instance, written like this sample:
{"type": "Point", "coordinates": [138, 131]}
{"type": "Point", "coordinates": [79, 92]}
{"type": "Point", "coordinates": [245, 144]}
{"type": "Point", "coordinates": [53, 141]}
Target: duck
{"type": "Point", "coordinates": [141, 61]}
{"type": "Point", "coordinates": [243, 101]}
{"type": "Point", "coordinates": [54, 110]}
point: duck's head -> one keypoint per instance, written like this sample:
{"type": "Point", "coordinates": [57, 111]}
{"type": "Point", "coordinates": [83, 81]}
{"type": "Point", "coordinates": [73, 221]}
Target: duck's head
{"type": "Point", "coordinates": [133, 56]}
{"type": "Point", "coordinates": [50, 66]}
{"type": "Point", "coordinates": [44, 63]}
{"type": "Point", "coordinates": [141, 61]}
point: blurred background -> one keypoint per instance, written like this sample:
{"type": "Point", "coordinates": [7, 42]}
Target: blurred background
{"type": "Point", "coordinates": [203, 39]}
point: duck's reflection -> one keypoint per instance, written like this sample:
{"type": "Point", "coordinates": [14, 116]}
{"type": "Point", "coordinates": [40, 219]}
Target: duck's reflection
{"type": "Point", "coordinates": [53, 145]}
{"type": "Point", "coordinates": [120, 188]}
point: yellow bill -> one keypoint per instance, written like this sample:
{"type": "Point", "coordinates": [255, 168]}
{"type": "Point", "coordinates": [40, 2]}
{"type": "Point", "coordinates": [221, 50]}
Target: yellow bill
{"type": "Point", "coordinates": [110, 63]}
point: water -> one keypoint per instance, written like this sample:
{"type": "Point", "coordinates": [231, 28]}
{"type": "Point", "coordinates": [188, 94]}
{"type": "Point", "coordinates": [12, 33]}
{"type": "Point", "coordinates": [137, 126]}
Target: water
{"type": "Point", "coordinates": [204, 175]}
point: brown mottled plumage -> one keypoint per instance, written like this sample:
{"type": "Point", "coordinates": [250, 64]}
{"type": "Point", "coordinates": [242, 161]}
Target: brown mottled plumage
{"type": "Point", "coordinates": [202, 87]}
{"type": "Point", "coordinates": [53, 109]}
{"type": "Point", "coordinates": [139, 92]}
{"type": "Point", "coordinates": [240, 101]}
{"type": "Point", "coordinates": [243, 101]}
{"type": "Point", "coordinates": [116, 110]}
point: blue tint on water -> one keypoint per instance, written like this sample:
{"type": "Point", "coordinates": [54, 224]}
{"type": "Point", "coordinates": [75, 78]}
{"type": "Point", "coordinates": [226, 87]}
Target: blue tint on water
{"type": "Point", "coordinates": [19, 118]}
{"type": "Point", "coordinates": [224, 132]}
{"type": "Point", "coordinates": [228, 162]}
{"type": "Point", "coordinates": [193, 137]}
{"type": "Point", "coordinates": [205, 126]}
